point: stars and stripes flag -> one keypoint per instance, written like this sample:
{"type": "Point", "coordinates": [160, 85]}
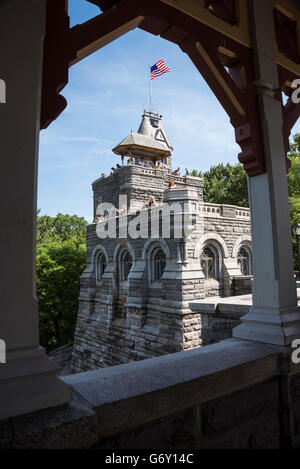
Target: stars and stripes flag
{"type": "Point", "coordinates": [158, 69]}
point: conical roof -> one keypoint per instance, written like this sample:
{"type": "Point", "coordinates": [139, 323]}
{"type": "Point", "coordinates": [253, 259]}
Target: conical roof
{"type": "Point", "coordinates": [152, 126]}
{"type": "Point", "coordinates": [150, 141]}
{"type": "Point", "coordinates": [145, 126]}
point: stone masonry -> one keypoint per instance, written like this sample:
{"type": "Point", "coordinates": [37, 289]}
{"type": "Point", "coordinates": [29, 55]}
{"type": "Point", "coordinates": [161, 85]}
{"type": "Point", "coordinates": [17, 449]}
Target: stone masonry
{"type": "Point", "coordinates": [137, 292]}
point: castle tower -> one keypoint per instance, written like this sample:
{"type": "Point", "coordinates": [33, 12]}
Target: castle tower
{"type": "Point", "coordinates": [149, 143]}
{"type": "Point", "coordinates": [149, 147]}
{"type": "Point", "coordinates": [139, 286]}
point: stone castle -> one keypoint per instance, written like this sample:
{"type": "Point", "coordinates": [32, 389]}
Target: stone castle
{"type": "Point", "coordinates": [137, 292]}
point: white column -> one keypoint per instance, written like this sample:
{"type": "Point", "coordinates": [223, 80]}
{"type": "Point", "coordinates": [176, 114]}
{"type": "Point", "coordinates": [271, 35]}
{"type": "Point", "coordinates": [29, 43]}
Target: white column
{"type": "Point", "coordinates": [28, 380]}
{"type": "Point", "coordinates": [274, 317]}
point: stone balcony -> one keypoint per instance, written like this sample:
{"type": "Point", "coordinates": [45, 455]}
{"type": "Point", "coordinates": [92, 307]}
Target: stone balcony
{"type": "Point", "coordinates": [224, 210]}
{"type": "Point", "coordinates": [128, 170]}
{"type": "Point", "coordinates": [224, 395]}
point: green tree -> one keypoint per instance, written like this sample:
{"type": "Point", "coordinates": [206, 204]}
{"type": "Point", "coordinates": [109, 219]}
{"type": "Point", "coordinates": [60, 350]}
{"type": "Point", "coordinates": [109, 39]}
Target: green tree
{"type": "Point", "coordinates": [294, 171]}
{"type": "Point", "coordinates": [225, 184]}
{"type": "Point", "coordinates": [60, 260]}
{"type": "Point", "coordinates": [60, 228]}
{"type": "Point", "coordinates": [59, 267]}
{"type": "Point", "coordinates": [294, 188]}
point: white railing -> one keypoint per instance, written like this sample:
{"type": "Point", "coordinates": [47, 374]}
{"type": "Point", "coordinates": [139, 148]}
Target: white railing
{"type": "Point", "coordinates": [216, 210]}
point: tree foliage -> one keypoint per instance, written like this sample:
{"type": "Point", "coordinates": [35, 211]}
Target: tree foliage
{"type": "Point", "coordinates": [60, 261]}
{"type": "Point", "coordinates": [294, 189]}
{"type": "Point", "coordinates": [294, 172]}
{"type": "Point", "coordinates": [225, 184]}
{"type": "Point", "coordinates": [61, 228]}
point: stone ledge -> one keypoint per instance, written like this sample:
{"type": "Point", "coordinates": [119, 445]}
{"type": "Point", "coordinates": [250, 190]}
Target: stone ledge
{"type": "Point", "coordinates": [72, 425]}
{"type": "Point", "coordinates": [225, 309]}
{"type": "Point", "coordinates": [29, 385]}
{"type": "Point", "coordinates": [126, 396]}
{"type": "Point", "coordinates": [109, 401]}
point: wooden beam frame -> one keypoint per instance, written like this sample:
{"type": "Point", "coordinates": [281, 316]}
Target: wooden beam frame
{"type": "Point", "coordinates": [223, 59]}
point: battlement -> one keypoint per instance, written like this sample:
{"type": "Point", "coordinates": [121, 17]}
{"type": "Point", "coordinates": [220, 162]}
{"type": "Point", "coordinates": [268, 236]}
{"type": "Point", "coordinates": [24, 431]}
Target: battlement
{"type": "Point", "coordinates": [138, 183]}
{"type": "Point", "coordinates": [226, 211]}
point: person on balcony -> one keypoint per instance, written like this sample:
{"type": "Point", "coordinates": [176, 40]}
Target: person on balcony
{"type": "Point", "coordinates": [151, 202]}
{"type": "Point", "coordinates": [99, 217]}
{"type": "Point", "coordinates": [177, 171]}
{"type": "Point", "coordinates": [122, 210]}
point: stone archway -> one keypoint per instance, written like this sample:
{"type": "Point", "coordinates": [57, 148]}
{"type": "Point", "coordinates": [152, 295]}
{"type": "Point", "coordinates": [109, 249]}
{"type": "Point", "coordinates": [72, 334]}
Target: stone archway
{"type": "Point", "coordinates": [184, 24]}
{"type": "Point", "coordinates": [244, 239]}
{"type": "Point", "coordinates": [213, 286]}
{"type": "Point", "coordinates": [214, 237]}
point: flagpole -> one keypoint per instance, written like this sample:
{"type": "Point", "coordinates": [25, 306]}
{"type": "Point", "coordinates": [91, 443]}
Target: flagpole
{"type": "Point", "coordinates": [150, 87]}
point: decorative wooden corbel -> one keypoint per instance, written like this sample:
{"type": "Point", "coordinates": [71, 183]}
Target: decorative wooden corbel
{"type": "Point", "coordinates": [215, 35]}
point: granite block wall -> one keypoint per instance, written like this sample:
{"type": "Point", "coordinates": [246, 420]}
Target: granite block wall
{"type": "Point", "coordinates": [121, 321]}
{"type": "Point", "coordinates": [247, 419]}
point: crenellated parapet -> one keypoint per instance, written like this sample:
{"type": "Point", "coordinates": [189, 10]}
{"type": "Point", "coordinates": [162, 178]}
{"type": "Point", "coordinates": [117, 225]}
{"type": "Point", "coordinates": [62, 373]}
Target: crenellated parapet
{"type": "Point", "coordinates": [138, 183]}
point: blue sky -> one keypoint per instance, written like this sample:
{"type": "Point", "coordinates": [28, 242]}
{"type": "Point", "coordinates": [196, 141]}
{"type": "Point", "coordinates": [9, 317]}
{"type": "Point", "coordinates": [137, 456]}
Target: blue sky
{"type": "Point", "coordinates": [106, 95]}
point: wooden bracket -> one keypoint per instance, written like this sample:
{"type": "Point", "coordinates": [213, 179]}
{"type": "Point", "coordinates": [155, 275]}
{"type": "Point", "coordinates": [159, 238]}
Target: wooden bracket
{"type": "Point", "coordinates": [223, 59]}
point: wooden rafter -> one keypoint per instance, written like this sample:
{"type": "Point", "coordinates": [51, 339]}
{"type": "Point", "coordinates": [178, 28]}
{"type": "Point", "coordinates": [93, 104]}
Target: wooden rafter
{"type": "Point", "coordinates": [86, 38]}
{"type": "Point", "coordinates": [225, 63]}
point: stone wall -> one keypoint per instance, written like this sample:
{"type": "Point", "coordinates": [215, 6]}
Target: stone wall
{"type": "Point", "coordinates": [234, 394]}
{"type": "Point", "coordinates": [117, 322]}
{"type": "Point", "coordinates": [218, 325]}
{"type": "Point", "coordinates": [222, 423]}
{"type": "Point", "coordinates": [242, 285]}
{"type": "Point", "coordinates": [121, 321]}
{"type": "Point", "coordinates": [231, 223]}
{"type": "Point", "coordinates": [230, 228]}
{"type": "Point", "coordinates": [138, 184]}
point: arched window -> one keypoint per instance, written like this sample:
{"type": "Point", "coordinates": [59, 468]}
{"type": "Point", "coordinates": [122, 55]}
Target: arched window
{"type": "Point", "coordinates": [158, 263]}
{"type": "Point", "coordinates": [244, 261]}
{"type": "Point", "coordinates": [125, 265]}
{"type": "Point", "coordinates": [209, 263]}
{"type": "Point", "coordinates": [101, 265]}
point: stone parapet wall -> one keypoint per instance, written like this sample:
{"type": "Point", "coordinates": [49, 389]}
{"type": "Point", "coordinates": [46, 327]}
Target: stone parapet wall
{"type": "Point", "coordinates": [242, 285]}
{"type": "Point", "coordinates": [229, 422]}
{"type": "Point", "coordinates": [219, 316]}
{"type": "Point", "coordinates": [223, 210]}
{"type": "Point", "coordinates": [232, 395]}
{"type": "Point", "coordinates": [138, 184]}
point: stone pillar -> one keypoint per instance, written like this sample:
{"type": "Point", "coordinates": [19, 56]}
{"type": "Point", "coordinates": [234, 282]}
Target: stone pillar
{"type": "Point", "coordinates": [28, 380]}
{"type": "Point", "coordinates": [274, 317]}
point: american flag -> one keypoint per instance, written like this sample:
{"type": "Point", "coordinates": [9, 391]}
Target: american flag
{"type": "Point", "coordinates": [158, 69]}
